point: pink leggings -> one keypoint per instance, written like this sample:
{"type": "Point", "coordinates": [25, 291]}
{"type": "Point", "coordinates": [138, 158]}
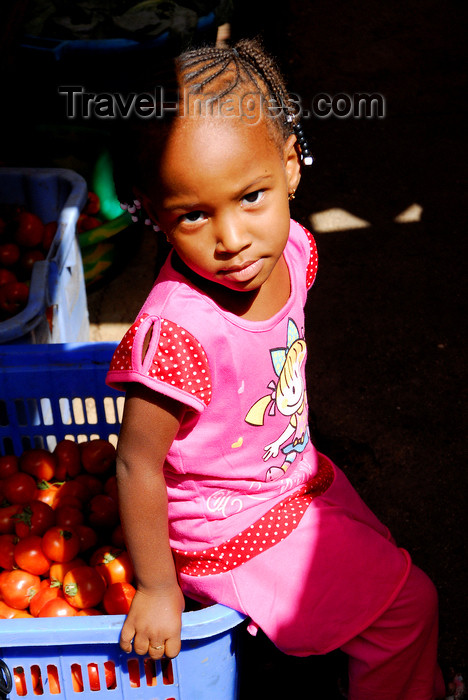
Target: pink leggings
{"type": "Point", "coordinates": [395, 658]}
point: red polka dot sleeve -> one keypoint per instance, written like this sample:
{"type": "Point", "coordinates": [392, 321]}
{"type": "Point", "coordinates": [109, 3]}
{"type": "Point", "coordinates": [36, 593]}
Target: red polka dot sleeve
{"type": "Point", "coordinates": [312, 264]}
{"type": "Point", "coordinates": [174, 363]}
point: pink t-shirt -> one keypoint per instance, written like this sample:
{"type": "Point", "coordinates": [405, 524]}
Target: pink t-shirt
{"type": "Point", "coordinates": [243, 444]}
{"type": "Point", "coordinates": [259, 521]}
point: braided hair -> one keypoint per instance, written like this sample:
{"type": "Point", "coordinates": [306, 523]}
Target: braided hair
{"type": "Point", "coordinates": [244, 65]}
{"type": "Point", "coordinates": [237, 69]}
{"type": "Point", "coordinates": [214, 72]}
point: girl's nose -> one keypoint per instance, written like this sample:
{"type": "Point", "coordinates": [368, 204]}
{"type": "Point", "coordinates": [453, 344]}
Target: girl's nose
{"type": "Point", "coordinates": [231, 237]}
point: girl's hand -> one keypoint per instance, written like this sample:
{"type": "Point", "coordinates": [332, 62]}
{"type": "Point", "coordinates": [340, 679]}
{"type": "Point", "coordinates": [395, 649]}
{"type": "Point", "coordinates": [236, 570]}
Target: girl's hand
{"type": "Point", "coordinates": [154, 623]}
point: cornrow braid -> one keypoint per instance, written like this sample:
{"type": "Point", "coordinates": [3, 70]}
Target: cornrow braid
{"type": "Point", "coordinates": [248, 63]}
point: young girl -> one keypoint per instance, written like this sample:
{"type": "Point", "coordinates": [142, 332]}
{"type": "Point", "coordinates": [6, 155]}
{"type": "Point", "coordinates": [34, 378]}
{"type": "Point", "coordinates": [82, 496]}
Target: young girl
{"type": "Point", "coordinates": [223, 495]}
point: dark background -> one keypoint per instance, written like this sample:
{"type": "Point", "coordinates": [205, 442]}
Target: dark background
{"type": "Point", "coordinates": [386, 319]}
{"type": "Point", "coordinates": [387, 315]}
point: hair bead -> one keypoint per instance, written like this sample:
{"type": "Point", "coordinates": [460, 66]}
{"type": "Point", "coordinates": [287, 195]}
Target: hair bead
{"type": "Point", "coordinates": [306, 155]}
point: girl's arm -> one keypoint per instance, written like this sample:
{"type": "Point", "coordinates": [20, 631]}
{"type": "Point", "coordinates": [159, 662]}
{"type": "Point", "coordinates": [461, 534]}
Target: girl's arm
{"type": "Point", "coordinates": [150, 424]}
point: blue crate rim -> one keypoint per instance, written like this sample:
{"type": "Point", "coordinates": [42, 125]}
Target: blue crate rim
{"type": "Point", "coordinates": [45, 356]}
{"type": "Point", "coordinates": [105, 629]}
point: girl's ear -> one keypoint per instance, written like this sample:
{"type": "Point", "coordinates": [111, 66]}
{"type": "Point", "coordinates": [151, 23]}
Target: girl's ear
{"type": "Point", "coordinates": [292, 163]}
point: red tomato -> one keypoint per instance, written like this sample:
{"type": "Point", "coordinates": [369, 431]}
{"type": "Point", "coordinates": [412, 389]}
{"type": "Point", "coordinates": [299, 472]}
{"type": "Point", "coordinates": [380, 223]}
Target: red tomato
{"type": "Point", "coordinates": [6, 611]}
{"type": "Point", "coordinates": [30, 230]}
{"type": "Point", "coordinates": [110, 487]}
{"type": "Point", "coordinates": [7, 551]}
{"type": "Point", "coordinates": [109, 676]}
{"type": "Point", "coordinates": [19, 488]}
{"type": "Point", "coordinates": [83, 587]}
{"type": "Point", "coordinates": [118, 598]}
{"type": "Point", "coordinates": [43, 596]}
{"type": "Point", "coordinates": [9, 254]}
{"type": "Point", "coordinates": [47, 492]}
{"type": "Point", "coordinates": [60, 544]}
{"type": "Point", "coordinates": [72, 489]}
{"type": "Point", "coordinates": [33, 519]}
{"type": "Point", "coordinates": [18, 587]}
{"type": "Point", "coordinates": [7, 276]}
{"type": "Point", "coordinates": [113, 564]}
{"type": "Point", "coordinates": [92, 484]}
{"type": "Point", "coordinates": [59, 569]}
{"type": "Point", "coordinates": [7, 522]}
{"type": "Point", "coordinates": [39, 463]}
{"type": "Point", "coordinates": [88, 612]}
{"type": "Point", "coordinates": [117, 537]}
{"type": "Point", "coordinates": [77, 677]}
{"type": "Point", "coordinates": [93, 204]}
{"type": "Point", "coordinates": [30, 557]}
{"type": "Point", "coordinates": [21, 613]}
{"type": "Point", "coordinates": [103, 511]}
{"type": "Point", "coordinates": [67, 453]}
{"type": "Point", "coordinates": [28, 259]}
{"type": "Point", "coordinates": [13, 297]}
{"type": "Point", "coordinates": [48, 235]}
{"type": "Point", "coordinates": [68, 516]}
{"type": "Point", "coordinates": [88, 537]}
{"type": "Point", "coordinates": [97, 456]}
{"type": "Point", "coordinates": [87, 223]}
{"type": "Point", "coordinates": [58, 607]}
{"type": "Point", "coordinates": [53, 678]}
{"type": "Point", "coordinates": [8, 465]}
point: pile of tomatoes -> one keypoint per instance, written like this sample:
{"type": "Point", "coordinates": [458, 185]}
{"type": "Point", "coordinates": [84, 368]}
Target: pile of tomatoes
{"type": "Point", "coordinates": [25, 240]}
{"type": "Point", "coordinates": [62, 551]}
{"type": "Point", "coordinates": [89, 217]}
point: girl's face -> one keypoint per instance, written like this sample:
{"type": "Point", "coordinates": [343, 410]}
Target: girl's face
{"type": "Point", "coordinates": [221, 197]}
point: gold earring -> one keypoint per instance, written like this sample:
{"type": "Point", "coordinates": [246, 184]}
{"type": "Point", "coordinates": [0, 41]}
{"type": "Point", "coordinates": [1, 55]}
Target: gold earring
{"type": "Point", "coordinates": [291, 195]}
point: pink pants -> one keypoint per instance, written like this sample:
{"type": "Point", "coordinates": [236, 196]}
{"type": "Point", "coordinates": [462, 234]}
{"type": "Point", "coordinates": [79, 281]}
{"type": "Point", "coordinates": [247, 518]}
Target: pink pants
{"type": "Point", "coordinates": [395, 658]}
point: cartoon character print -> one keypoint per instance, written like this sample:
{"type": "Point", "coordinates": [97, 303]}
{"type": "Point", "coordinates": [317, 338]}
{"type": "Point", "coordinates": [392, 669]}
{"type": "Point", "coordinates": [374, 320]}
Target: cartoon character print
{"type": "Point", "coordinates": [288, 395]}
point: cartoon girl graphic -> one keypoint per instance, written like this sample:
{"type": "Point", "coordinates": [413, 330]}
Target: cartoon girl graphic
{"type": "Point", "coordinates": [288, 395]}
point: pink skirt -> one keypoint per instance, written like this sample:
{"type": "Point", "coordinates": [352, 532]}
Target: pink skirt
{"type": "Point", "coordinates": [323, 584]}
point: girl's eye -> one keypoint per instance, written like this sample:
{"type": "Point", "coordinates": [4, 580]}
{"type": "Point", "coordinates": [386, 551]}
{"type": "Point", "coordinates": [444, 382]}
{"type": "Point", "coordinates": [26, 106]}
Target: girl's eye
{"type": "Point", "coordinates": [253, 197]}
{"type": "Point", "coordinates": [193, 217]}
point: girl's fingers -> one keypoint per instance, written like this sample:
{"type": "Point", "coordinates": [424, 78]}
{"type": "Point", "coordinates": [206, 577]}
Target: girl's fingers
{"type": "Point", "coordinates": [126, 637]}
{"type": "Point", "coordinates": [172, 647]}
{"type": "Point", "coordinates": [156, 650]}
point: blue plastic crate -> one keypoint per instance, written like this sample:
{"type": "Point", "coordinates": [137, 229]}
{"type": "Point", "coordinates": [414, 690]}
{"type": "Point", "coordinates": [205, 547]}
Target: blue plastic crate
{"type": "Point", "coordinates": [47, 393]}
{"type": "Point", "coordinates": [57, 310]}
{"type": "Point", "coordinates": [63, 49]}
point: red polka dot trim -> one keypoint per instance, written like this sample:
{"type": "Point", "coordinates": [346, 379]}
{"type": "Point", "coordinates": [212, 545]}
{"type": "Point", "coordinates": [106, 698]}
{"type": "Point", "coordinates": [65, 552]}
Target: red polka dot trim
{"type": "Point", "coordinates": [312, 265]}
{"type": "Point", "coordinates": [178, 358]}
{"type": "Point", "coordinates": [270, 529]}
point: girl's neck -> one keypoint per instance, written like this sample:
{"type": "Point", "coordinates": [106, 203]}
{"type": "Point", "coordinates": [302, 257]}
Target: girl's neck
{"type": "Point", "coordinates": [257, 305]}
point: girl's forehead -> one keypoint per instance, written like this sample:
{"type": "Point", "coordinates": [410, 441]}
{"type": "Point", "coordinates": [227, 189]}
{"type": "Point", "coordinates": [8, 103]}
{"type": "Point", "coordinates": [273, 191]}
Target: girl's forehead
{"type": "Point", "coordinates": [203, 140]}
{"type": "Point", "coordinates": [209, 157]}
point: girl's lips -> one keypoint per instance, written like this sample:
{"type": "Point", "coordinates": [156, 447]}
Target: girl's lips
{"type": "Point", "coordinates": [243, 274]}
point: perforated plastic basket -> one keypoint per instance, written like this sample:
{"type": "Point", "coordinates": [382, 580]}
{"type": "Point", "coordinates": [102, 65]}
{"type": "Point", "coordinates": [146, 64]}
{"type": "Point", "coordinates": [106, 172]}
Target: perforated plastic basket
{"type": "Point", "coordinates": [49, 392]}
